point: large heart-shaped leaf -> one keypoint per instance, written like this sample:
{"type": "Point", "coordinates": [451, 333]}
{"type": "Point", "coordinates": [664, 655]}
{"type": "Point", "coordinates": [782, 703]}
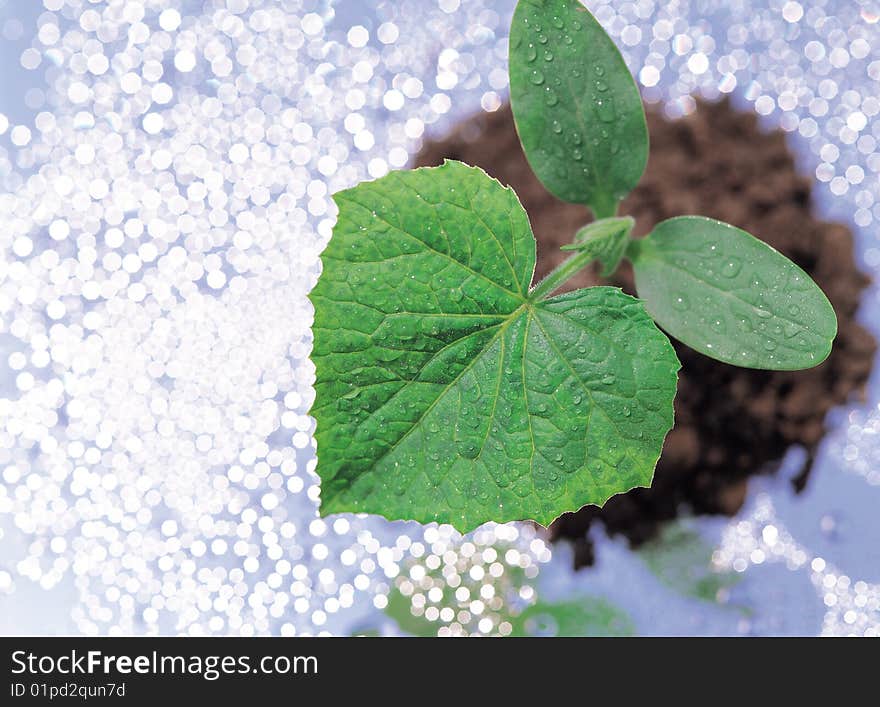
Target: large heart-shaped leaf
{"type": "Point", "coordinates": [445, 392]}
{"type": "Point", "coordinates": [728, 295]}
{"type": "Point", "coordinates": [577, 108]}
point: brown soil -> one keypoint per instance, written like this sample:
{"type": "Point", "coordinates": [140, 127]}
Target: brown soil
{"type": "Point", "coordinates": [730, 423]}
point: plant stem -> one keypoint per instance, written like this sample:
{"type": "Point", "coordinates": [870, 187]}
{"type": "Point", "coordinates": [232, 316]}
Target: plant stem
{"type": "Point", "coordinates": [604, 209]}
{"type": "Point", "coordinates": [566, 270]}
{"type": "Point", "coordinates": [569, 267]}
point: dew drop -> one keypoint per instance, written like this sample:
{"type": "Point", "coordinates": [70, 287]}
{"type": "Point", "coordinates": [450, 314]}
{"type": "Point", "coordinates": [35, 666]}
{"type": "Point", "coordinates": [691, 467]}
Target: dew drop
{"type": "Point", "coordinates": [605, 110]}
{"type": "Point", "coordinates": [599, 69]}
{"type": "Point", "coordinates": [746, 358]}
{"type": "Point", "coordinates": [548, 56]}
{"type": "Point", "coordinates": [537, 77]}
{"type": "Point", "coordinates": [798, 282]}
{"type": "Point", "coordinates": [577, 155]}
{"type": "Point", "coordinates": [531, 52]}
{"type": "Point", "coordinates": [542, 38]}
{"type": "Point", "coordinates": [770, 345]}
{"type": "Point", "coordinates": [601, 86]}
{"type": "Point", "coordinates": [551, 99]}
{"type": "Point", "coordinates": [680, 302]}
{"type": "Point", "coordinates": [732, 267]}
{"type": "Point", "coordinates": [557, 127]}
{"type": "Point", "coordinates": [791, 329]}
{"type": "Point", "coordinates": [468, 450]}
{"type": "Point", "coordinates": [557, 22]}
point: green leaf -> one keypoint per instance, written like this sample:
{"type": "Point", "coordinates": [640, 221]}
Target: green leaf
{"type": "Point", "coordinates": [587, 616]}
{"type": "Point", "coordinates": [444, 392]}
{"type": "Point", "coordinates": [732, 297]}
{"type": "Point", "coordinates": [605, 239]}
{"type": "Point", "coordinates": [583, 616]}
{"type": "Point", "coordinates": [577, 108]}
{"type": "Point", "coordinates": [399, 610]}
{"type": "Point", "coordinates": [682, 560]}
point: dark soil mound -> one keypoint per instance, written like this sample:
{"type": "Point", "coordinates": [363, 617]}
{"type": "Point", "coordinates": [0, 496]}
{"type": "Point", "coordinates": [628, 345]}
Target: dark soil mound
{"type": "Point", "coordinates": [730, 422]}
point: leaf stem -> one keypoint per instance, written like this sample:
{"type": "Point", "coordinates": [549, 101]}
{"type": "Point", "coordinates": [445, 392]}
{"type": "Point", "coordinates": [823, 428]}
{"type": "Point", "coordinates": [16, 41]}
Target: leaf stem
{"type": "Point", "coordinates": [569, 267]}
{"type": "Point", "coordinates": [563, 272]}
{"type": "Point", "coordinates": [604, 208]}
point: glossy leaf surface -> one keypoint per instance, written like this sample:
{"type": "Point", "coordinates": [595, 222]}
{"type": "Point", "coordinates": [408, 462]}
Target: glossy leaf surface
{"type": "Point", "coordinates": [445, 392]}
{"type": "Point", "coordinates": [577, 108]}
{"type": "Point", "coordinates": [731, 296]}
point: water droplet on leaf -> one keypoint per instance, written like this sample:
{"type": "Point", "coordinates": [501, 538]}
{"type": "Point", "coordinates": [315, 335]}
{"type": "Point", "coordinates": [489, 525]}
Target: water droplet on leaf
{"type": "Point", "coordinates": [605, 110]}
{"type": "Point", "coordinates": [468, 450]}
{"type": "Point", "coordinates": [731, 267]}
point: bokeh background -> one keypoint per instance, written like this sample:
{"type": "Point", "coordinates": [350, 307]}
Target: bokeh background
{"type": "Point", "coordinates": [165, 180]}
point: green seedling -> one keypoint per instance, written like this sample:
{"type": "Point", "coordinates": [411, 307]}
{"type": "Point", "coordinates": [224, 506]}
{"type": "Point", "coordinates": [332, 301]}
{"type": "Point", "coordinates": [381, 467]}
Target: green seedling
{"type": "Point", "coordinates": [449, 389]}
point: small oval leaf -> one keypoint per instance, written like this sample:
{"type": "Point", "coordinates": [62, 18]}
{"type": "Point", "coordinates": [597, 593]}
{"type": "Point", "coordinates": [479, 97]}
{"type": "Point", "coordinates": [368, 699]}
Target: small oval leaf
{"type": "Point", "coordinates": [577, 109]}
{"type": "Point", "coordinates": [731, 296]}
